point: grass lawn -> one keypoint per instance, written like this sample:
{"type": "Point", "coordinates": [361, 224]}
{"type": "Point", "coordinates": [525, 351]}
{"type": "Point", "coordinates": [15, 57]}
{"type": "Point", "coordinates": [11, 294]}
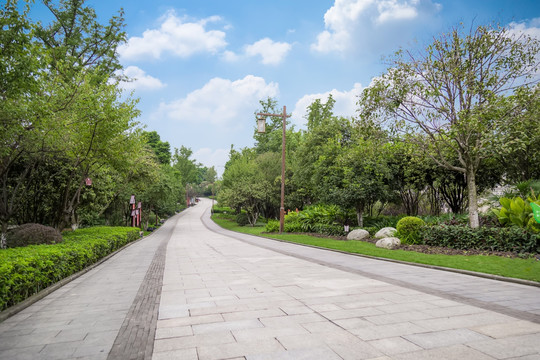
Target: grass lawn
{"type": "Point", "coordinates": [528, 269]}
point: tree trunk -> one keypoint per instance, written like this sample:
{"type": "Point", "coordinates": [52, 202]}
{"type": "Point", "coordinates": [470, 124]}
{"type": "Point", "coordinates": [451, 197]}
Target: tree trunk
{"type": "Point", "coordinates": [360, 215]}
{"type": "Point", "coordinates": [473, 201]}
{"type": "Point", "coordinates": [3, 235]}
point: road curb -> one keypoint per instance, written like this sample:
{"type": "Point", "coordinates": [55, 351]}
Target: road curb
{"type": "Point", "coordinates": [435, 267]}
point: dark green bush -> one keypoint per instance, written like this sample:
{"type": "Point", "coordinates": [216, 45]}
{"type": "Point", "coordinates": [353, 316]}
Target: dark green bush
{"type": "Point", "coordinates": [25, 271]}
{"type": "Point", "coordinates": [382, 221]}
{"type": "Point", "coordinates": [408, 229]}
{"type": "Point", "coordinates": [329, 229]}
{"type": "Point", "coordinates": [511, 239]}
{"type": "Point", "coordinates": [242, 219]}
{"type": "Point", "coordinates": [33, 234]}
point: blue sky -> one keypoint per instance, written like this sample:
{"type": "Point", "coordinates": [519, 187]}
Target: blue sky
{"type": "Point", "coordinates": [201, 66]}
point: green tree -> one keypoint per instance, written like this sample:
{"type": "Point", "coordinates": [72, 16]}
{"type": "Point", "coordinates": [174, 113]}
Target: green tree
{"type": "Point", "coordinates": [160, 148]}
{"type": "Point", "coordinates": [517, 146]}
{"type": "Point", "coordinates": [186, 166]}
{"type": "Point", "coordinates": [244, 186]}
{"type": "Point", "coordinates": [450, 94]}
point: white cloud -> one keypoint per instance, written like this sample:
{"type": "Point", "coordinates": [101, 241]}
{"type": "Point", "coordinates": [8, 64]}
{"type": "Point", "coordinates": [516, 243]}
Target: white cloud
{"type": "Point", "coordinates": [139, 80]}
{"type": "Point", "coordinates": [368, 25]}
{"type": "Point", "coordinates": [230, 56]}
{"type": "Point", "coordinates": [221, 101]}
{"type": "Point", "coordinates": [532, 28]}
{"type": "Point", "coordinates": [177, 37]}
{"type": "Point", "coordinates": [345, 103]}
{"type": "Point", "coordinates": [212, 157]}
{"type": "Point", "coordinates": [272, 52]}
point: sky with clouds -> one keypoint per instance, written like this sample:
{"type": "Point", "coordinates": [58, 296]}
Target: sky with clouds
{"type": "Point", "coordinates": [200, 67]}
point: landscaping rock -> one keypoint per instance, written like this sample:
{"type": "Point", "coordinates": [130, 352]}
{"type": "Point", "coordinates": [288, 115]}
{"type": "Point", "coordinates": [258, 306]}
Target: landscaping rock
{"type": "Point", "coordinates": [388, 243]}
{"type": "Point", "coordinates": [358, 234]}
{"type": "Point", "coordinates": [385, 232]}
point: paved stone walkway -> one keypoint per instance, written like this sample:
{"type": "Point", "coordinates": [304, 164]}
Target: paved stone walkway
{"type": "Point", "coordinates": [226, 299]}
{"type": "Point", "coordinates": [82, 319]}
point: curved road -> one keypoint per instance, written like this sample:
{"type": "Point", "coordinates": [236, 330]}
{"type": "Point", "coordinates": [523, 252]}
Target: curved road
{"type": "Point", "coordinates": [192, 290]}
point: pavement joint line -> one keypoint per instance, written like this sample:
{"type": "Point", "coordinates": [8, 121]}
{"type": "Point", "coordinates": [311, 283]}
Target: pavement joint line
{"type": "Point", "coordinates": [523, 315]}
{"type": "Point", "coordinates": [135, 339]}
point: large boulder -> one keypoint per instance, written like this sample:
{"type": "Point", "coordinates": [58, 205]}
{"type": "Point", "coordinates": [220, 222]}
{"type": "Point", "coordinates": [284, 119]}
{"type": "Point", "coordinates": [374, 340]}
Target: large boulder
{"type": "Point", "coordinates": [358, 234]}
{"type": "Point", "coordinates": [385, 232]}
{"type": "Point", "coordinates": [388, 243]}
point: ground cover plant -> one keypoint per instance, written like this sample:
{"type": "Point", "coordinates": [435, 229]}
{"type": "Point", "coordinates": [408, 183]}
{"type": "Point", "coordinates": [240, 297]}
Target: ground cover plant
{"type": "Point", "coordinates": [514, 267]}
{"type": "Point", "coordinates": [24, 271]}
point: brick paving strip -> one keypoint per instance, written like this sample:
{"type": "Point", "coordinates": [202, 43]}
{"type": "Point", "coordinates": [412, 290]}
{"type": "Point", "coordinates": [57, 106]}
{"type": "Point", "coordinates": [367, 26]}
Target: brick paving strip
{"type": "Point", "coordinates": [135, 339]}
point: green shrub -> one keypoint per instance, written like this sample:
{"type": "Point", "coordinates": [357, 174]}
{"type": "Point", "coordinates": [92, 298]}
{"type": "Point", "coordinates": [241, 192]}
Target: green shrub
{"type": "Point", "coordinates": [25, 271]}
{"type": "Point", "coordinates": [329, 229]}
{"type": "Point", "coordinates": [511, 239]}
{"type": "Point", "coordinates": [408, 229]}
{"type": "Point", "coordinates": [533, 226]}
{"type": "Point", "coordinates": [272, 226]}
{"type": "Point", "coordinates": [371, 229]}
{"type": "Point", "coordinates": [222, 209]}
{"type": "Point", "coordinates": [242, 219]}
{"type": "Point", "coordinates": [382, 221]}
{"type": "Point", "coordinates": [152, 218]}
{"type": "Point", "coordinates": [33, 234]}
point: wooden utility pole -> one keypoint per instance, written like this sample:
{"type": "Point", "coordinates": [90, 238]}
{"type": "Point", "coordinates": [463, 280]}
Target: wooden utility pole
{"type": "Point", "coordinates": [284, 116]}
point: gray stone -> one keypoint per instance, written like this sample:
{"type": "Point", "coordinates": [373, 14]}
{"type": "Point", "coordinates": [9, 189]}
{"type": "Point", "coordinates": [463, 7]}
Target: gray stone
{"type": "Point", "coordinates": [358, 234]}
{"type": "Point", "coordinates": [385, 232]}
{"type": "Point", "coordinates": [388, 243]}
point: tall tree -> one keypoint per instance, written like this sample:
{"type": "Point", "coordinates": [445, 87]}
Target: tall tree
{"type": "Point", "coordinates": [451, 92]}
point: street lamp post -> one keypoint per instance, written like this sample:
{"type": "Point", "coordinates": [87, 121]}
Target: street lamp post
{"type": "Point", "coordinates": [261, 128]}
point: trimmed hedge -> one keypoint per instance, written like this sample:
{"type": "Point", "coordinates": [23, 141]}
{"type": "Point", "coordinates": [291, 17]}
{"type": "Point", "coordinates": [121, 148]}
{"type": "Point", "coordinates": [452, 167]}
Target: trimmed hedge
{"type": "Point", "coordinates": [510, 239]}
{"type": "Point", "coordinates": [27, 270]}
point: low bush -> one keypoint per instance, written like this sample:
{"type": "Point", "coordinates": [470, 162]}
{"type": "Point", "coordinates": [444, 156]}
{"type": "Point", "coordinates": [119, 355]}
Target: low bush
{"type": "Point", "coordinates": [242, 219]}
{"type": "Point", "coordinates": [33, 234]}
{"type": "Point", "coordinates": [221, 210]}
{"type": "Point", "coordinates": [408, 229]}
{"type": "Point", "coordinates": [272, 226]}
{"type": "Point", "coordinates": [512, 239]}
{"type": "Point", "coordinates": [25, 271]}
{"type": "Point", "coordinates": [380, 222]}
{"type": "Point", "coordinates": [329, 229]}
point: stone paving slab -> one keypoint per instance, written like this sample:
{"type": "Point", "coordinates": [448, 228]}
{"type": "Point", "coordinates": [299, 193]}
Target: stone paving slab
{"type": "Point", "coordinates": [220, 297]}
{"type": "Point", "coordinates": [82, 319]}
{"type": "Point", "coordinates": [259, 302]}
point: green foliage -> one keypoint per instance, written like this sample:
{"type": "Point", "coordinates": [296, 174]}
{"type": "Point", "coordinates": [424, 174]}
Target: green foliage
{"type": "Point", "coordinates": [242, 219]}
{"type": "Point", "coordinates": [382, 221]}
{"type": "Point", "coordinates": [455, 92]}
{"type": "Point", "coordinates": [161, 149]}
{"type": "Point", "coordinates": [515, 211]}
{"type": "Point", "coordinates": [272, 226]}
{"type": "Point", "coordinates": [533, 226]}
{"type": "Point", "coordinates": [33, 234]}
{"type": "Point", "coordinates": [321, 219]}
{"type": "Point", "coordinates": [511, 239]}
{"type": "Point", "coordinates": [408, 229]}
{"type": "Point", "coordinates": [25, 271]}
